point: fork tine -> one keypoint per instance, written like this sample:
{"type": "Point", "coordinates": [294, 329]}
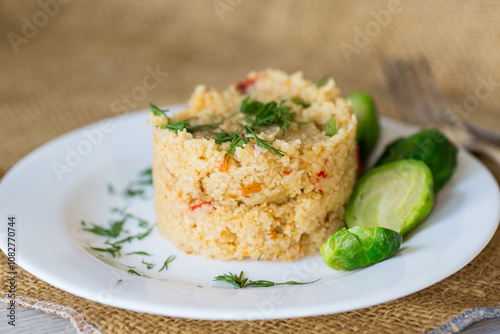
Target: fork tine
{"type": "Point", "coordinates": [415, 91]}
{"type": "Point", "coordinates": [395, 72]}
{"type": "Point", "coordinates": [430, 89]}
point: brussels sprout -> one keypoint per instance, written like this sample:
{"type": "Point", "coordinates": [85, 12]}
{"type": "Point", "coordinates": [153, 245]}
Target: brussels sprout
{"type": "Point", "coordinates": [397, 195]}
{"type": "Point", "coordinates": [357, 247]}
{"type": "Point", "coordinates": [368, 126]}
{"type": "Point", "coordinates": [430, 146]}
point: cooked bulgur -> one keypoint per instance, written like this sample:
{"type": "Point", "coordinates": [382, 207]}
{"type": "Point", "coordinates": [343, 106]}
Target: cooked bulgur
{"type": "Point", "coordinates": [255, 203]}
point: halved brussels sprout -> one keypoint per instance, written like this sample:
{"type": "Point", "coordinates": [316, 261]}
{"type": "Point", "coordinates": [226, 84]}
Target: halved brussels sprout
{"type": "Point", "coordinates": [397, 195]}
{"type": "Point", "coordinates": [430, 146]}
{"type": "Point", "coordinates": [368, 126]}
{"type": "Point", "coordinates": [358, 247]}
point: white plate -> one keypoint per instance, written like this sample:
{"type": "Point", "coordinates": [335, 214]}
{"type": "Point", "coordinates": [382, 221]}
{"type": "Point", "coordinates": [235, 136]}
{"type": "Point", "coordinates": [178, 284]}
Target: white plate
{"type": "Point", "coordinates": [51, 245]}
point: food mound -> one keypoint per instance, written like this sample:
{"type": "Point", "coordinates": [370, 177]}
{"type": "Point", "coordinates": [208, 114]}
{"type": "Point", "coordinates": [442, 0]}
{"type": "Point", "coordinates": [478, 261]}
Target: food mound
{"type": "Point", "coordinates": [261, 170]}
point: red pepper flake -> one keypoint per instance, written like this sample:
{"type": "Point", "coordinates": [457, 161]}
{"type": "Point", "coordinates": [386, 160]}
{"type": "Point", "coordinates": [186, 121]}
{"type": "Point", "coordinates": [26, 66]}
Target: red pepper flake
{"type": "Point", "coordinates": [320, 191]}
{"type": "Point", "coordinates": [243, 86]}
{"type": "Point", "coordinates": [287, 172]}
{"type": "Point", "coordinates": [322, 174]}
{"type": "Point", "coordinates": [197, 206]}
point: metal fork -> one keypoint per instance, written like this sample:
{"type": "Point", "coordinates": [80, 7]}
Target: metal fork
{"type": "Point", "coordinates": [421, 102]}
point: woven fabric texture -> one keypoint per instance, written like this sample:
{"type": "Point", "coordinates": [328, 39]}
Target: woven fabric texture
{"type": "Point", "coordinates": [68, 63]}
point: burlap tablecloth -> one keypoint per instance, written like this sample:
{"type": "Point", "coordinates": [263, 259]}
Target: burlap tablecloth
{"type": "Point", "coordinates": [64, 64]}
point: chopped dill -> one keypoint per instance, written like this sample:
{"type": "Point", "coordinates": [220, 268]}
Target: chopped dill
{"type": "Point", "coordinates": [299, 101]}
{"type": "Point", "coordinates": [157, 111]}
{"type": "Point", "coordinates": [129, 192]}
{"type": "Point", "coordinates": [133, 272]}
{"type": "Point", "coordinates": [260, 115]}
{"type": "Point", "coordinates": [112, 232]}
{"type": "Point", "coordinates": [142, 222]}
{"type": "Point", "coordinates": [114, 250]}
{"type": "Point", "coordinates": [239, 281]}
{"type": "Point", "coordinates": [167, 261]}
{"type": "Point", "coordinates": [148, 265]}
{"type": "Point", "coordinates": [258, 259]}
{"type": "Point", "coordinates": [111, 190]}
{"type": "Point", "coordinates": [331, 127]}
{"type": "Point", "coordinates": [139, 253]}
{"type": "Point", "coordinates": [145, 234]}
{"type": "Point", "coordinates": [265, 144]}
{"type": "Point", "coordinates": [322, 81]}
{"type": "Point", "coordinates": [176, 126]}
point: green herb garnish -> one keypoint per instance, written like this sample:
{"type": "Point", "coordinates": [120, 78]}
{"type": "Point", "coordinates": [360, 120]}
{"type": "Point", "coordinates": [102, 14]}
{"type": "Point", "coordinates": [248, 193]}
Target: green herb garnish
{"type": "Point", "coordinates": [259, 114]}
{"type": "Point", "coordinates": [142, 222]}
{"type": "Point", "coordinates": [114, 250]}
{"type": "Point", "coordinates": [133, 272]}
{"type": "Point", "coordinates": [157, 111]}
{"type": "Point", "coordinates": [111, 190]}
{"type": "Point", "coordinates": [243, 282]}
{"type": "Point", "coordinates": [258, 259]}
{"type": "Point", "coordinates": [322, 81]}
{"type": "Point", "coordinates": [148, 265]}
{"type": "Point", "coordinates": [147, 176]}
{"type": "Point", "coordinates": [331, 127]}
{"type": "Point", "coordinates": [127, 239]}
{"type": "Point", "coordinates": [298, 101]}
{"type": "Point", "coordinates": [129, 192]}
{"type": "Point", "coordinates": [145, 234]}
{"type": "Point", "coordinates": [139, 253]}
{"type": "Point", "coordinates": [202, 127]}
{"type": "Point", "coordinates": [176, 126]}
{"type": "Point", "coordinates": [265, 144]}
{"type": "Point", "coordinates": [167, 261]}
{"type": "Point", "coordinates": [112, 232]}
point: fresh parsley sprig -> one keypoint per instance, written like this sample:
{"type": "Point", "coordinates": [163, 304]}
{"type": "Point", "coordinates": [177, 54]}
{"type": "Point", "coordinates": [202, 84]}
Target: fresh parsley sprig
{"type": "Point", "coordinates": [240, 281]}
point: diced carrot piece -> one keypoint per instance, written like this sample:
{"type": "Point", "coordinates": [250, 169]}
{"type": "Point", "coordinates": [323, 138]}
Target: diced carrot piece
{"type": "Point", "coordinates": [273, 235]}
{"type": "Point", "coordinates": [251, 188]}
{"type": "Point", "coordinates": [224, 166]}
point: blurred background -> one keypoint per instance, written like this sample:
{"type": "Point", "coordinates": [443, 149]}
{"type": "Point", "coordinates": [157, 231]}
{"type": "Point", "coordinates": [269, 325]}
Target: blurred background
{"type": "Point", "coordinates": [67, 63]}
